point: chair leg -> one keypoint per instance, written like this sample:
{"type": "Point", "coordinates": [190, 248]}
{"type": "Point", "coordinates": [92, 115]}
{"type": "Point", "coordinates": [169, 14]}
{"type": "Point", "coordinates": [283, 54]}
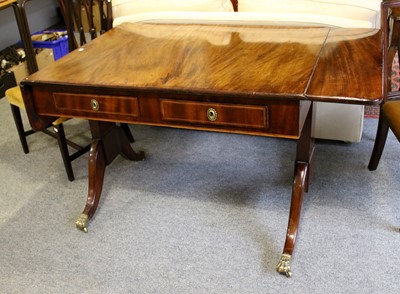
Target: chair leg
{"type": "Point", "coordinates": [20, 127]}
{"type": "Point", "coordinates": [59, 134]}
{"type": "Point", "coordinates": [127, 131]}
{"type": "Point", "coordinates": [380, 140]}
{"type": "Point", "coordinates": [62, 144]}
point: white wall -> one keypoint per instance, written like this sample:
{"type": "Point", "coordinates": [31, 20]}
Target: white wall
{"type": "Point", "coordinates": [41, 15]}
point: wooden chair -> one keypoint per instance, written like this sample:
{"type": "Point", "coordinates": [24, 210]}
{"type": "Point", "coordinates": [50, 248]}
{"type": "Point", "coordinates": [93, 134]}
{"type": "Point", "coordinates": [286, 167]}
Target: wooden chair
{"type": "Point", "coordinates": [56, 130]}
{"type": "Point", "coordinates": [73, 19]}
{"type": "Point", "coordinates": [14, 97]}
{"type": "Point", "coordinates": [389, 115]}
{"type": "Point", "coordinates": [85, 19]}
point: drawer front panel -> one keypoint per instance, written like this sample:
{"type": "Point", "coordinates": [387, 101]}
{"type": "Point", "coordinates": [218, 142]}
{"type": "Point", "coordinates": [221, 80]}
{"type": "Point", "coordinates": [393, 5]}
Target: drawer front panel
{"type": "Point", "coordinates": [215, 114]}
{"type": "Point", "coordinates": [114, 105]}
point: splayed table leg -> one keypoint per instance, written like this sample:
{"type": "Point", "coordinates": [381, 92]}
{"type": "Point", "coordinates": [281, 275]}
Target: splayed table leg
{"type": "Point", "coordinates": [109, 140]}
{"type": "Point", "coordinates": [305, 149]}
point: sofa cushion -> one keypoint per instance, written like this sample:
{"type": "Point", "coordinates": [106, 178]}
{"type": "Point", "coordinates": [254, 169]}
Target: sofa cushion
{"type": "Point", "coordinates": [129, 7]}
{"type": "Point", "coordinates": [331, 12]}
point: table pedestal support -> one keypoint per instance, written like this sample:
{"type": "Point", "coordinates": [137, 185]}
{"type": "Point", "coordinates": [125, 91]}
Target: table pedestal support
{"type": "Point", "coordinates": [304, 153]}
{"type": "Point", "coordinates": [109, 140]}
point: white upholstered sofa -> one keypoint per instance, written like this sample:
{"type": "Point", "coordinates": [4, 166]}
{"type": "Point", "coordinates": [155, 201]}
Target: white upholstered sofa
{"type": "Point", "coordinates": [331, 121]}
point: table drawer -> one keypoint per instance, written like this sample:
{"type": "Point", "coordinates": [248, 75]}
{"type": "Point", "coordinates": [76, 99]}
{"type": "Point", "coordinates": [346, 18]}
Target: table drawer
{"type": "Point", "coordinates": [99, 104]}
{"type": "Point", "coordinates": [243, 116]}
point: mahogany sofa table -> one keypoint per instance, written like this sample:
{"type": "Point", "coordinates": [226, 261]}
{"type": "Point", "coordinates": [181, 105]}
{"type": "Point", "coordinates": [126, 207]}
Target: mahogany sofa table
{"type": "Point", "coordinates": [255, 80]}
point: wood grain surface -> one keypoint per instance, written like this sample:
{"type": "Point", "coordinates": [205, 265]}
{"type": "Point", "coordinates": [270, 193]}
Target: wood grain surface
{"type": "Point", "coordinates": [349, 68]}
{"type": "Point", "coordinates": [255, 61]}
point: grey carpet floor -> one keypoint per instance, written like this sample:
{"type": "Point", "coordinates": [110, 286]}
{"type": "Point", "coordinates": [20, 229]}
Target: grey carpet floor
{"type": "Point", "coordinates": [204, 213]}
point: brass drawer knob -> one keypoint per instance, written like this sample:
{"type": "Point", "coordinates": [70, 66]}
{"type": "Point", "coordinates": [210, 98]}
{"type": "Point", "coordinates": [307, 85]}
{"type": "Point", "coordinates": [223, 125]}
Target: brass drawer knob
{"type": "Point", "coordinates": [94, 104]}
{"type": "Point", "coordinates": [212, 114]}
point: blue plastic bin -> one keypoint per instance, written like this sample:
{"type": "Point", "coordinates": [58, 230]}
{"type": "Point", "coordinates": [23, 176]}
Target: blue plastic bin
{"type": "Point", "coordinates": [59, 46]}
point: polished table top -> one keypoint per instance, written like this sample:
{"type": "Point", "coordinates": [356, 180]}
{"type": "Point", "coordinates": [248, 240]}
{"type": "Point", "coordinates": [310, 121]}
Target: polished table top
{"type": "Point", "coordinates": [316, 63]}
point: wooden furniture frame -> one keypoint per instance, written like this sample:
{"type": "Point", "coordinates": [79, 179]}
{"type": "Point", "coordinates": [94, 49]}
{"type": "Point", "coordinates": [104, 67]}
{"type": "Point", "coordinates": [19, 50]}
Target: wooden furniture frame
{"type": "Point", "coordinates": [16, 104]}
{"type": "Point", "coordinates": [204, 86]}
{"type": "Point", "coordinates": [55, 130]}
{"type": "Point", "coordinates": [391, 44]}
{"type": "Point", "coordinates": [76, 11]}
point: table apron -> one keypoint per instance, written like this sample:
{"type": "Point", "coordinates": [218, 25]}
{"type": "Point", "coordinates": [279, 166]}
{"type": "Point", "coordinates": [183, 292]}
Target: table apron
{"type": "Point", "coordinates": [275, 117]}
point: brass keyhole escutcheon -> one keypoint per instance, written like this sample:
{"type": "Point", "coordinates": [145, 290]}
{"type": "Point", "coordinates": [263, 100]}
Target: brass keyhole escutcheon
{"type": "Point", "coordinates": [212, 114]}
{"type": "Point", "coordinates": [94, 104]}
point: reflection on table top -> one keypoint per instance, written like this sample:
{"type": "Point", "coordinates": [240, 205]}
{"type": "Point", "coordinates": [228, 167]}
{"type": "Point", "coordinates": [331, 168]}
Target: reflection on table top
{"type": "Point", "coordinates": [314, 63]}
